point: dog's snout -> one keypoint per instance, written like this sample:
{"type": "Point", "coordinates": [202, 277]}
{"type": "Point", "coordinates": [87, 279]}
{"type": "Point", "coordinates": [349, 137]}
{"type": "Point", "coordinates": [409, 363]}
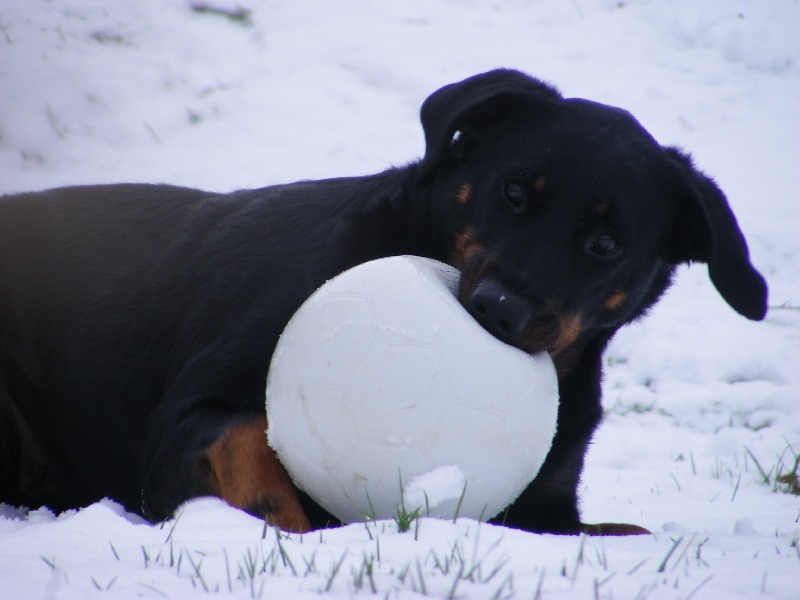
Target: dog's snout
{"type": "Point", "coordinates": [499, 310]}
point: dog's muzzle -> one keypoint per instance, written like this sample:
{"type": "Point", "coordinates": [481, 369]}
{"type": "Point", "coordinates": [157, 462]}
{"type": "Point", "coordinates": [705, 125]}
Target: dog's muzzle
{"type": "Point", "coordinates": [499, 310]}
{"type": "Point", "coordinates": [528, 325]}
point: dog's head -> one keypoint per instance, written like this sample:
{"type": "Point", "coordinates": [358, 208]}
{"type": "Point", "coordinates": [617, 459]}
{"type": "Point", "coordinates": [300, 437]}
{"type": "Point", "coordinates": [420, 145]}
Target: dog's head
{"type": "Point", "coordinates": [565, 216]}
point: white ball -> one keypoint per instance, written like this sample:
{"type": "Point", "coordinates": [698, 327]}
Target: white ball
{"type": "Point", "coordinates": [382, 376]}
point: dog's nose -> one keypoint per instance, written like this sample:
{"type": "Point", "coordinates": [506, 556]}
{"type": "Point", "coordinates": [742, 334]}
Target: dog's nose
{"type": "Point", "coordinates": [500, 311]}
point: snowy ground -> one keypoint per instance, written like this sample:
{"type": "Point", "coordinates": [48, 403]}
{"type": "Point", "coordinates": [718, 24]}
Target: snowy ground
{"type": "Point", "coordinates": [151, 90]}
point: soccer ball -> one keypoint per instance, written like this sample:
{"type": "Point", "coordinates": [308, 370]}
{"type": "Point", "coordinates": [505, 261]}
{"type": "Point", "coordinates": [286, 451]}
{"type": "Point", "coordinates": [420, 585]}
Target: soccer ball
{"type": "Point", "coordinates": [384, 394]}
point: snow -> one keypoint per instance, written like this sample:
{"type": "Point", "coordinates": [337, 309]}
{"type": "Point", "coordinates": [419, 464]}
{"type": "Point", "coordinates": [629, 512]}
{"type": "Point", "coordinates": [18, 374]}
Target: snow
{"type": "Point", "coordinates": [438, 485]}
{"type": "Point", "coordinates": [695, 395]}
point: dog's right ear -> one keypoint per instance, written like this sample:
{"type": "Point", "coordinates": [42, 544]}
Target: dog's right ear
{"type": "Point", "coordinates": [705, 230]}
{"type": "Point", "coordinates": [482, 97]}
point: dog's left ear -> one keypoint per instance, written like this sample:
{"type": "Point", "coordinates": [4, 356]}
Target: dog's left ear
{"type": "Point", "coordinates": [705, 230]}
{"type": "Point", "coordinates": [481, 98]}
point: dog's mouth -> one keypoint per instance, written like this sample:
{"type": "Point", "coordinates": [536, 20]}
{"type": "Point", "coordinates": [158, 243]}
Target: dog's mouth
{"type": "Point", "coordinates": [528, 325]}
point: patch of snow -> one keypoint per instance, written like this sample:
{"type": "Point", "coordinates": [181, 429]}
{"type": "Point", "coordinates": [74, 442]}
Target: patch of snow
{"type": "Point", "coordinates": [430, 489]}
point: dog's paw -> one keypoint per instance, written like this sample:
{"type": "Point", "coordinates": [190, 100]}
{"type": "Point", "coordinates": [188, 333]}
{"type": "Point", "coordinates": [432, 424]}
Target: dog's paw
{"type": "Point", "coordinates": [613, 529]}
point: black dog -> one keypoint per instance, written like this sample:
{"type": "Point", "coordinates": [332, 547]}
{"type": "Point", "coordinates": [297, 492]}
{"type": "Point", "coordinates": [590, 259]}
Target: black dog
{"type": "Point", "coordinates": [137, 322]}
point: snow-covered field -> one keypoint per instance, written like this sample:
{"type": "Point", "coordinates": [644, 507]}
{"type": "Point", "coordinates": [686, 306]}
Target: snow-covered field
{"type": "Point", "coordinates": [699, 401]}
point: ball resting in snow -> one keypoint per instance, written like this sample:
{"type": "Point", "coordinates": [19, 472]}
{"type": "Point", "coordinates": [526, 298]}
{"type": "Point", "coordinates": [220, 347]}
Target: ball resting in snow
{"type": "Point", "coordinates": [382, 376]}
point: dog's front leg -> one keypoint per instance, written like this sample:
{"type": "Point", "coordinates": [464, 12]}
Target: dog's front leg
{"type": "Point", "coordinates": [237, 465]}
{"type": "Point", "coordinates": [550, 503]}
{"type": "Point", "coordinates": [246, 473]}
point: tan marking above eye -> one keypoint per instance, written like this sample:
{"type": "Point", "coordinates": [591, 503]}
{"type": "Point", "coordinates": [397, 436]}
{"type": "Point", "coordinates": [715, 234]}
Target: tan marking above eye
{"type": "Point", "coordinates": [464, 193]}
{"type": "Point", "coordinates": [602, 208]}
{"type": "Point", "coordinates": [540, 184]}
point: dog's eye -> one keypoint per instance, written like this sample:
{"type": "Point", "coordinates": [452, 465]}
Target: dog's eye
{"type": "Point", "coordinates": [604, 244]}
{"type": "Point", "coordinates": [515, 192]}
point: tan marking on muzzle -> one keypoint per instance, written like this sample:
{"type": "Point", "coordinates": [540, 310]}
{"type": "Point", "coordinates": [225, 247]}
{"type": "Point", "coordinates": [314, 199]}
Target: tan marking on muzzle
{"type": "Point", "coordinates": [616, 300]}
{"type": "Point", "coordinates": [467, 247]}
{"type": "Point", "coordinates": [571, 327]}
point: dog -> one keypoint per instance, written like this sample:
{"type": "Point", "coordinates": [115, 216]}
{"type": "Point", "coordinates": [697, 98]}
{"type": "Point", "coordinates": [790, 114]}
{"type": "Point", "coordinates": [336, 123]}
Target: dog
{"type": "Point", "coordinates": [137, 322]}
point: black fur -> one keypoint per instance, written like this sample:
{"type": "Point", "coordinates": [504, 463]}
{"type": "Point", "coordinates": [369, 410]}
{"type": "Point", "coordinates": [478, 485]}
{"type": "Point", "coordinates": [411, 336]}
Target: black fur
{"type": "Point", "coordinates": [137, 321]}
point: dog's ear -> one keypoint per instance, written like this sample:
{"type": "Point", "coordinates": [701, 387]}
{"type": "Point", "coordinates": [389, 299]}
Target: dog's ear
{"type": "Point", "coordinates": [480, 98]}
{"type": "Point", "coordinates": [705, 230]}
